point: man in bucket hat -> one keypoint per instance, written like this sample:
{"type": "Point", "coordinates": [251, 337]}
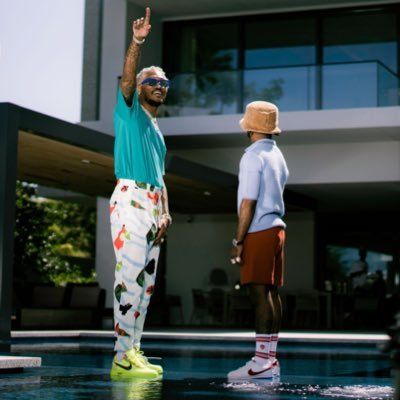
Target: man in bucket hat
{"type": "Point", "coordinates": [260, 236]}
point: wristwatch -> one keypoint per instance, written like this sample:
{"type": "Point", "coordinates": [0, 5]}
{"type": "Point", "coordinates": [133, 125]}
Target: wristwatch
{"type": "Point", "coordinates": [236, 242]}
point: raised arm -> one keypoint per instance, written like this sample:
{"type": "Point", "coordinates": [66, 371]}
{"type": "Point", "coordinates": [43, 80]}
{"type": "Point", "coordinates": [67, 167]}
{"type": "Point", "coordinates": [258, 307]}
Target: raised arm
{"type": "Point", "coordinates": [140, 29]}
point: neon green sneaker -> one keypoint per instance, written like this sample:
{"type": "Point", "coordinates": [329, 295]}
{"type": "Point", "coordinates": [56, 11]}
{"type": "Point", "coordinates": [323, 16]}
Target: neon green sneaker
{"type": "Point", "coordinates": [135, 354]}
{"type": "Point", "coordinates": [130, 368]}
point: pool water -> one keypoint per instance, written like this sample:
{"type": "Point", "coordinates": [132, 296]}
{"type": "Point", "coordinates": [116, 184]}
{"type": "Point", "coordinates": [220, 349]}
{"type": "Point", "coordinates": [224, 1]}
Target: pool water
{"type": "Point", "coordinates": [197, 370]}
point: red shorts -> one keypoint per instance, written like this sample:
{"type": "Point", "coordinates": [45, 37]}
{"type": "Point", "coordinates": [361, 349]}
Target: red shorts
{"type": "Point", "coordinates": [263, 257]}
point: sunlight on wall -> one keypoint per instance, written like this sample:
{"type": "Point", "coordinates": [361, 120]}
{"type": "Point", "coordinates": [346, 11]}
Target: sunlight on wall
{"type": "Point", "coordinates": [41, 55]}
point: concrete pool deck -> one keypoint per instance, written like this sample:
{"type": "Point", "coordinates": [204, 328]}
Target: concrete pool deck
{"type": "Point", "coordinates": [207, 335]}
{"type": "Point", "coordinates": [18, 363]}
{"type": "Point", "coordinates": [190, 335]}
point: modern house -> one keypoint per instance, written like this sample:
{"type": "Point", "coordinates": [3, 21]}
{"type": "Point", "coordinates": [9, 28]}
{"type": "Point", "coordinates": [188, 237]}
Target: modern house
{"type": "Point", "coordinates": [331, 67]}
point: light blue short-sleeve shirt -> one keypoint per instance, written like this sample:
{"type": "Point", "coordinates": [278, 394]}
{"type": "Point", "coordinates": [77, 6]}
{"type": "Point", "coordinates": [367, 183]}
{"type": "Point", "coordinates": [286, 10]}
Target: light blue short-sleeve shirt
{"type": "Point", "coordinates": [139, 148]}
{"type": "Point", "coordinates": [262, 176]}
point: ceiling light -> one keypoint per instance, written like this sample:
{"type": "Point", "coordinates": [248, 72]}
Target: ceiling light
{"type": "Point", "coordinates": [207, 193]}
{"type": "Point", "coordinates": [86, 161]}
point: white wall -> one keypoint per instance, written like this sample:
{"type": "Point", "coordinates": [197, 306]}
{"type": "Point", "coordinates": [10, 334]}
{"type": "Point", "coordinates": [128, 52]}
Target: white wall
{"type": "Point", "coordinates": [116, 15]}
{"type": "Point", "coordinates": [113, 52]}
{"type": "Point", "coordinates": [206, 246]}
{"type": "Point", "coordinates": [41, 55]}
{"type": "Point", "coordinates": [335, 121]}
{"type": "Point", "coordinates": [199, 243]}
{"type": "Point", "coordinates": [196, 247]}
{"type": "Point", "coordinates": [344, 162]}
{"type": "Point", "coordinates": [300, 251]}
{"type": "Point", "coordinates": [318, 163]}
{"type": "Point", "coordinates": [105, 256]}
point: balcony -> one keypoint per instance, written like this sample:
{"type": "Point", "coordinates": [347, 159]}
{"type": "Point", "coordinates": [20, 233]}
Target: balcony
{"type": "Point", "coordinates": [294, 88]}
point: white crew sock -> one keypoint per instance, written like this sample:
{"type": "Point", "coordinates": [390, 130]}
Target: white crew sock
{"type": "Point", "coordinates": [262, 348]}
{"type": "Point", "coordinates": [120, 355]}
{"type": "Point", "coordinates": [274, 345]}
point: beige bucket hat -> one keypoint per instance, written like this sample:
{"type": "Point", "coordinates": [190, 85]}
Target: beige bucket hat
{"type": "Point", "coordinates": [261, 117]}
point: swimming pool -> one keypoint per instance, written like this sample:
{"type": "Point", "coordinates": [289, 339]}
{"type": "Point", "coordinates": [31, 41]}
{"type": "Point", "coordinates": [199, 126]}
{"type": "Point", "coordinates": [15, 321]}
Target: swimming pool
{"type": "Point", "coordinates": [197, 370]}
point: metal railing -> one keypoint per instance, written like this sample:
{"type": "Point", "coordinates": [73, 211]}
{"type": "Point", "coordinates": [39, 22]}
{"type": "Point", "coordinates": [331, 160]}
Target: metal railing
{"type": "Point", "coordinates": [292, 88]}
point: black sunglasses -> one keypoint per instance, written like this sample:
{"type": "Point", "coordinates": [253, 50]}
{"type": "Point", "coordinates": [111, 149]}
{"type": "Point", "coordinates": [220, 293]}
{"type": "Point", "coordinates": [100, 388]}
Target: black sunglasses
{"type": "Point", "coordinates": [164, 83]}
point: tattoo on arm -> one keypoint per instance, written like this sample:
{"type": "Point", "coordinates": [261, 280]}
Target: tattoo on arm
{"type": "Point", "coordinates": [128, 79]}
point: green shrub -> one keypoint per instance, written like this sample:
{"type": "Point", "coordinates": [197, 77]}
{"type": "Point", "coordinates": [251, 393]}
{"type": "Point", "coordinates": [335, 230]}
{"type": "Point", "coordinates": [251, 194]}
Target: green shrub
{"type": "Point", "coordinates": [54, 240]}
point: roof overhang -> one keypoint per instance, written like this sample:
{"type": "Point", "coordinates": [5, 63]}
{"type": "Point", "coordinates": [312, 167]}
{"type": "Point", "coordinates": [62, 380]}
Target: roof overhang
{"type": "Point", "coordinates": [58, 154]}
{"type": "Point", "coordinates": [298, 127]}
{"type": "Point", "coordinates": [176, 9]}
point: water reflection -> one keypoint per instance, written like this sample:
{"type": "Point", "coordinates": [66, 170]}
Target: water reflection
{"type": "Point", "coordinates": [359, 392]}
{"type": "Point", "coordinates": [273, 390]}
{"type": "Point", "coordinates": [137, 389]}
{"type": "Point", "coordinates": [9, 383]}
{"type": "Point", "coordinates": [256, 385]}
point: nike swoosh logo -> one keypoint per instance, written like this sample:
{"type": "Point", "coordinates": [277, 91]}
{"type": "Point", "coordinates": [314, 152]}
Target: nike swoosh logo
{"type": "Point", "coordinates": [124, 367]}
{"type": "Point", "coordinates": [252, 373]}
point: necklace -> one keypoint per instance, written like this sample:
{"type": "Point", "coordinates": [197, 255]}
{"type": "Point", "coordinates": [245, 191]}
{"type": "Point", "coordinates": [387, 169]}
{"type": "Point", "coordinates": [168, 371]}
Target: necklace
{"type": "Point", "coordinates": [152, 119]}
{"type": "Point", "coordinates": [149, 115]}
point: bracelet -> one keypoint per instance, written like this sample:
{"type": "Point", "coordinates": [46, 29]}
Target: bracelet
{"type": "Point", "coordinates": [236, 242]}
{"type": "Point", "coordinates": [168, 217]}
{"type": "Point", "coordinates": [137, 41]}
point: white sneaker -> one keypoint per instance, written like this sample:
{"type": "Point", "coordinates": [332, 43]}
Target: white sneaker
{"type": "Point", "coordinates": [253, 370]}
{"type": "Point", "coordinates": [276, 368]}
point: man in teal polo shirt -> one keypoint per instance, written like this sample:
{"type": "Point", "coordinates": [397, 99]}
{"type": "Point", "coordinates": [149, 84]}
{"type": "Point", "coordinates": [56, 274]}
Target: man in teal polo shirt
{"type": "Point", "coordinates": [139, 212]}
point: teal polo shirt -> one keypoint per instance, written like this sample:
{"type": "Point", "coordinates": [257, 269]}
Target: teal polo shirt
{"type": "Point", "coordinates": [139, 148]}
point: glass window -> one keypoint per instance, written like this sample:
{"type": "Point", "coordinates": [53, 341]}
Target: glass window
{"type": "Point", "coordinates": [203, 93]}
{"type": "Point", "coordinates": [218, 66]}
{"type": "Point", "coordinates": [343, 262]}
{"type": "Point", "coordinates": [290, 88]}
{"type": "Point", "coordinates": [360, 77]}
{"type": "Point", "coordinates": [360, 37]}
{"type": "Point", "coordinates": [202, 47]}
{"type": "Point", "coordinates": [272, 43]}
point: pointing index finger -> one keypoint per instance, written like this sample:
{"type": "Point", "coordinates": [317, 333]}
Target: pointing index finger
{"type": "Point", "coordinates": [147, 18]}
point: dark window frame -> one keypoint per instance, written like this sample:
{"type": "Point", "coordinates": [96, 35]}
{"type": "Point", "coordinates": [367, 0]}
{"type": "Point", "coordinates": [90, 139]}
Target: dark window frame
{"type": "Point", "coordinates": [319, 15]}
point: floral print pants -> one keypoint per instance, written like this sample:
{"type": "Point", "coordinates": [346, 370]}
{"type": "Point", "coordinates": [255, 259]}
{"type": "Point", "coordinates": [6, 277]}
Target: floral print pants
{"type": "Point", "coordinates": [135, 209]}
